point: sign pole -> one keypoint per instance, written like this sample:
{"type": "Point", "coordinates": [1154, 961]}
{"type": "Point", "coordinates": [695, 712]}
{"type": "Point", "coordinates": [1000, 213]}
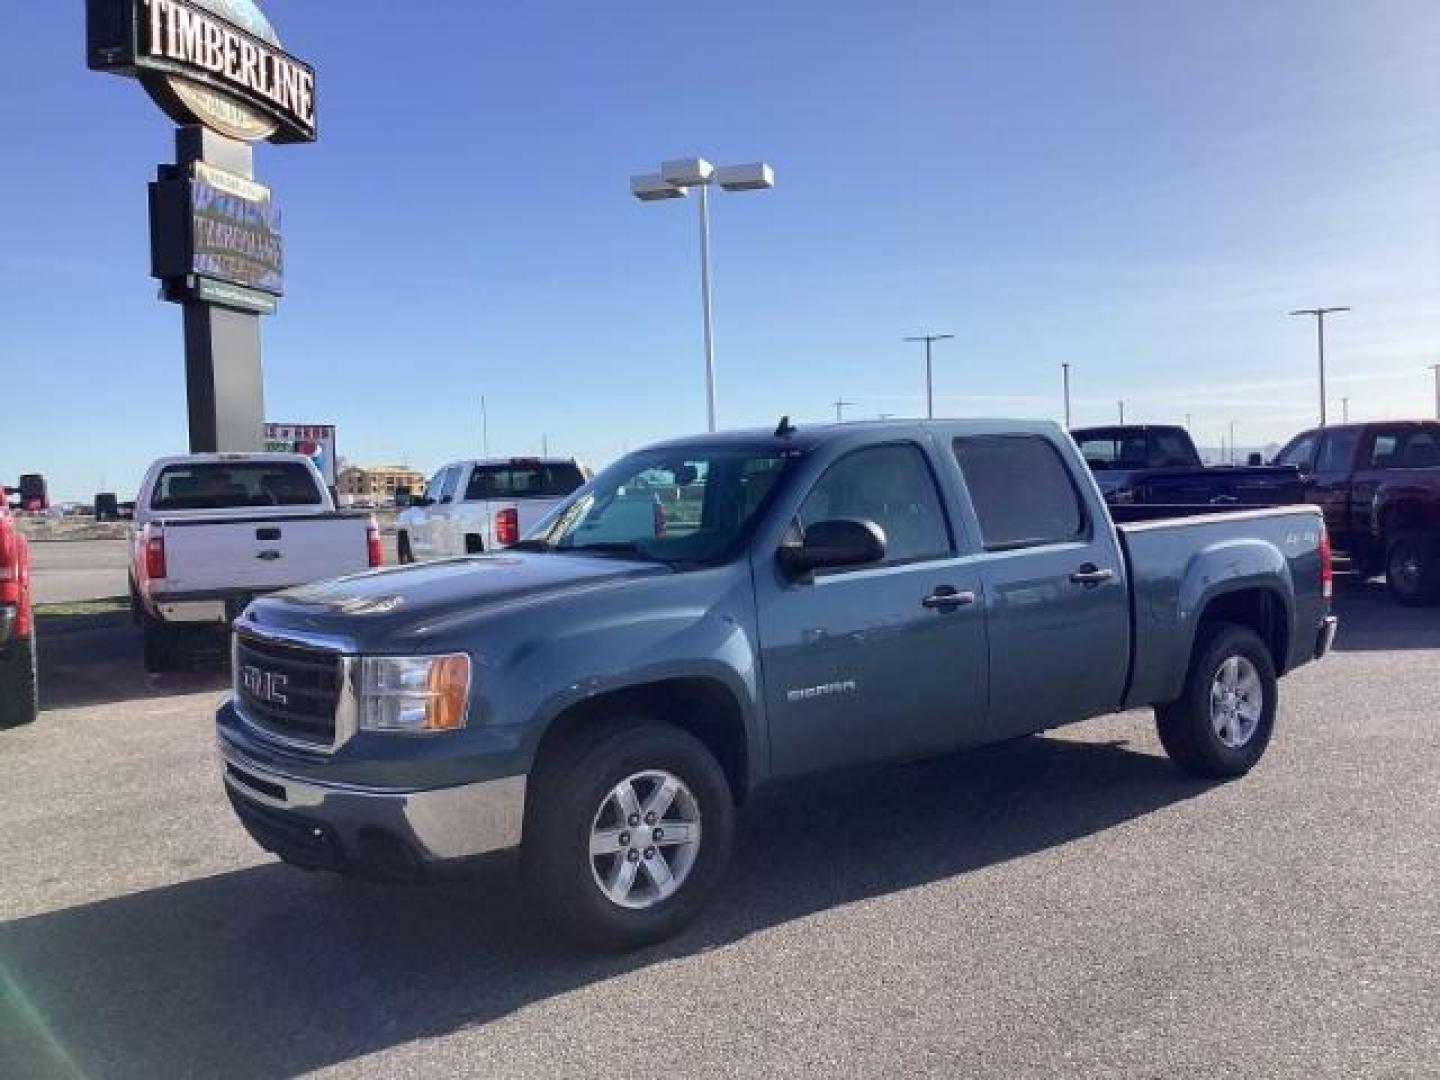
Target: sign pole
{"type": "Point", "coordinates": [222, 346]}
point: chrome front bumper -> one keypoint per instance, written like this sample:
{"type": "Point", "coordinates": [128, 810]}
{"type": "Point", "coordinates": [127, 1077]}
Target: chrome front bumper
{"type": "Point", "coordinates": [376, 832]}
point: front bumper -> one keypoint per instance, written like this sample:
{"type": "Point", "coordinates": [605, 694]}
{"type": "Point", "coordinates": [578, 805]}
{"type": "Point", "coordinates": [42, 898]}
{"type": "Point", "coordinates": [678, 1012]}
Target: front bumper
{"type": "Point", "coordinates": [1325, 639]}
{"type": "Point", "coordinates": [372, 832]}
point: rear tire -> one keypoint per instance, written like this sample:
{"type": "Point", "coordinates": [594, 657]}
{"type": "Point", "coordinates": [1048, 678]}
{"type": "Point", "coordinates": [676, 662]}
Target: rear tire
{"type": "Point", "coordinates": [19, 685]}
{"type": "Point", "coordinates": [1222, 723]}
{"type": "Point", "coordinates": [1412, 568]}
{"type": "Point", "coordinates": [572, 807]}
{"type": "Point", "coordinates": [162, 646]}
{"type": "Point", "coordinates": [402, 549]}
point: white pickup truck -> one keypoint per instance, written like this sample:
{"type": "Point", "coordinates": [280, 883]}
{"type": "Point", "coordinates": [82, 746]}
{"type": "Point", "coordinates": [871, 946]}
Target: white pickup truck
{"type": "Point", "coordinates": [213, 531]}
{"type": "Point", "coordinates": [474, 506]}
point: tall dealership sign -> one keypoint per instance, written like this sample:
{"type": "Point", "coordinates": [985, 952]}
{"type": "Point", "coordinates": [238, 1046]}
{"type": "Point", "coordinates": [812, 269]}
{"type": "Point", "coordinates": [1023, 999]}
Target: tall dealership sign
{"type": "Point", "coordinates": [216, 67]}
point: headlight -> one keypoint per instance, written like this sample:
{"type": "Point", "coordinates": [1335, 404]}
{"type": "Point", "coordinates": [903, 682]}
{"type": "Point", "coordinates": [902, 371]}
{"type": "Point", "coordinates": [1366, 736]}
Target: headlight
{"type": "Point", "coordinates": [414, 693]}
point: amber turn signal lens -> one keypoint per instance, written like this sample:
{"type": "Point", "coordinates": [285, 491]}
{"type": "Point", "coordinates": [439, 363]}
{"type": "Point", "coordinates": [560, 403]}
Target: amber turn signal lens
{"type": "Point", "coordinates": [449, 686]}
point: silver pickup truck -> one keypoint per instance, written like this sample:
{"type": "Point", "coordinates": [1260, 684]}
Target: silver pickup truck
{"type": "Point", "coordinates": [721, 612]}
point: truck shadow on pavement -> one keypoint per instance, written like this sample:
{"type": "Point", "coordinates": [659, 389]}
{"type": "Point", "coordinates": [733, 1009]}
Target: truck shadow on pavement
{"type": "Point", "coordinates": [96, 660]}
{"type": "Point", "coordinates": [1371, 621]}
{"type": "Point", "coordinates": [270, 972]}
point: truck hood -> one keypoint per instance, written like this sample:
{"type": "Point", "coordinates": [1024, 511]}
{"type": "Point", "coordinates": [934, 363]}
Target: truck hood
{"type": "Point", "coordinates": [400, 601]}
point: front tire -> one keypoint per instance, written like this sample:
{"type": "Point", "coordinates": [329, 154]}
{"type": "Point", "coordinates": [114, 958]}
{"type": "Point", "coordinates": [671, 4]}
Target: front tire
{"type": "Point", "coordinates": [628, 832]}
{"type": "Point", "coordinates": [19, 685]}
{"type": "Point", "coordinates": [402, 549]}
{"type": "Point", "coordinates": [1222, 723]}
{"type": "Point", "coordinates": [1412, 568]}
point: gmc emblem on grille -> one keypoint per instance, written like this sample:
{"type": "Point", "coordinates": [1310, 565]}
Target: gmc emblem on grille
{"type": "Point", "coordinates": [266, 686]}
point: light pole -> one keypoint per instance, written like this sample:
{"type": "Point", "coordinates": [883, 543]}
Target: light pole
{"type": "Point", "coordinates": [1066, 369]}
{"type": "Point", "coordinates": [674, 181]}
{"type": "Point", "coordinates": [839, 406]}
{"type": "Point", "coordinates": [1122, 412]}
{"type": "Point", "coordinates": [1436, 369]}
{"type": "Point", "coordinates": [929, 340]}
{"type": "Point", "coordinates": [1345, 410]}
{"type": "Point", "coordinates": [1320, 313]}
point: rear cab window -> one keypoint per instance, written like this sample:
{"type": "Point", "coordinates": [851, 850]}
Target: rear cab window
{"type": "Point", "coordinates": [523, 480]}
{"type": "Point", "coordinates": [1022, 491]}
{"type": "Point", "coordinates": [234, 485]}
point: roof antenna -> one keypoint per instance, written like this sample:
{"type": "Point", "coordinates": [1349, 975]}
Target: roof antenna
{"type": "Point", "coordinates": [784, 429]}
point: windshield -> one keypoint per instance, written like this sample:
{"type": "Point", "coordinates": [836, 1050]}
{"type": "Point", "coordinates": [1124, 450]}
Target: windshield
{"type": "Point", "coordinates": [691, 506]}
{"type": "Point", "coordinates": [232, 485]}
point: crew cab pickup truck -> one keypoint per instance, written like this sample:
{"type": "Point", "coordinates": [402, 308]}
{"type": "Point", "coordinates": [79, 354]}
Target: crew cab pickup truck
{"type": "Point", "coordinates": [213, 531]}
{"type": "Point", "coordinates": [19, 696]}
{"type": "Point", "coordinates": [474, 506]}
{"type": "Point", "coordinates": [607, 692]}
{"type": "Point", "coordinates": [1379, 486]}
{"type": "Point", "coordinates": [1158, 464]}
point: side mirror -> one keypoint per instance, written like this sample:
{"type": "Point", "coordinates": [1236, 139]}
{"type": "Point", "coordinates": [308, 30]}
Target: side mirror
{"type": "Point", "coordinates": [826, 544]}
{"type": "Point", "coordinates": [1257, 459]}
{"type": "Point", "coordinates": [403, 498]}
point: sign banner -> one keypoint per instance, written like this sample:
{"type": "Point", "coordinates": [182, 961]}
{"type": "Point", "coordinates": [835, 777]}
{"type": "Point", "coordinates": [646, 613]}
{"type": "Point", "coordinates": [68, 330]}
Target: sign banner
{"type": "Point", "coordinates": [212, 62]}
{"type": "Point", "coordinates": [235, 231]}
{"type": "Point", "coordinates": [315, 441]}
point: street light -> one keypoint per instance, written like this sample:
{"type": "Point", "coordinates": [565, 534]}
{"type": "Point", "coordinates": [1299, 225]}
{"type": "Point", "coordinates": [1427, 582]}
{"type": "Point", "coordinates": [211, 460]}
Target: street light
{"type": "Point", "coordinates": [929, 340]}
{"type": "Point", "coordinates": [1320, 313]}
{"type": "Point", "coordinates": [1436, 369]}
{"type": "Point", "coordinates": [840, 405]}
{"type": "Point", "coordinates": [1066, 368]}
{"type": "Point", "coordinates": [674, 181]}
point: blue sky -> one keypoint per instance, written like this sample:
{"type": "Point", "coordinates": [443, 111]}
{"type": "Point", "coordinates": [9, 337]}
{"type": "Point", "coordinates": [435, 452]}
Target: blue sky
{"type": "Point", "coordinates": [1141, 188]}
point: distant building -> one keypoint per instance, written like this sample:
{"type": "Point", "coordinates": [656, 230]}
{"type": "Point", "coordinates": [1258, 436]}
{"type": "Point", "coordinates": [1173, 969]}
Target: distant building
{"type": "Point", "coordinates": [377, 483]}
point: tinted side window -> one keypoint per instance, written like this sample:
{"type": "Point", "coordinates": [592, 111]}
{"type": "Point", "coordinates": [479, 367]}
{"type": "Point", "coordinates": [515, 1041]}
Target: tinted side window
{"type": "Point", "coordinates": [1299, 452]}
{"type": "Point", "coordinates": [449, 483]}
{"type": "Point", "coordinates": [1422, 451]}
{"type": "Point", "coordinates": [1337, 451]}
{"type": "Point", "coordinates": [891, 486]}
{"type": "Point", "coordinates": [1022, 491]}
{"type": "Point", "coordinates": [1384, 453]}
{"type": "Point", "coordinates": [1171, 450]}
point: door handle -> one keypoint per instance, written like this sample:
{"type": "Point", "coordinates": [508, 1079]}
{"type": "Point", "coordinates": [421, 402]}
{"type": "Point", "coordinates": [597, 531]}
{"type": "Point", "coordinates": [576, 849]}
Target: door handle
{"type": "Point", "coordinates": [1090, 574]}
{"type": "Point", "coordinates": [269, 555]}
{"type": "Point", "coordinates": [947, 596]}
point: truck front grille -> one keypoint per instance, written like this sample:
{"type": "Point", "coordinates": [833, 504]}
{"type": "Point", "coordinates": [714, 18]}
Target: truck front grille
{"type": "Point", "coordinates": [288, 689]}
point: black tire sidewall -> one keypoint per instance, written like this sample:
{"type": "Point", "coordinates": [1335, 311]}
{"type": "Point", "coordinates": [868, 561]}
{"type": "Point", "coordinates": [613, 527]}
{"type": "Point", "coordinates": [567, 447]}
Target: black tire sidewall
{"type": "Point", "coordinates": [161, 645]}
{"type": "Point", "coordinates": [1425, 550]}
{"type": "Point", "coordinates": [19, 684]}
{"type": "Point", "coordinates": [556, 849]}
{"type": "Point", "coordinates": [402, 549]}
{"type": "Point", "coordinates": [1223, 642]}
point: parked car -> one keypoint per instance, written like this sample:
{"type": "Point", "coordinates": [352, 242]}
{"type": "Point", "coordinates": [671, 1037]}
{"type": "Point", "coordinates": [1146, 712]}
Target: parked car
{"type": "Point", "coordinates": [1159, 464]}
{"type": "Point", "coordinates": [213, 531]}
{"type": "Point", "coordinates": [19, 682]}
{"type": "Point", "coordinates": [474, 506]}
{"type": "Point", "coordinates": [1379, 485]}
{"type": "Point", "coordinates": [820, 598]}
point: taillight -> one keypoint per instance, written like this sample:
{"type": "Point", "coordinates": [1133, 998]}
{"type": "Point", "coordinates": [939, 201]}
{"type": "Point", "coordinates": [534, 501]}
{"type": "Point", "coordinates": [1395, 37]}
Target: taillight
{"type": "Point", "coordinates": [507, 527]}
{"type": "Point", "coordinates": [155, 554]}
{"type": "Point", "coordinates": [1327, 565]}
{"type": "Point", "coordinates": [9, 569]}
{"type": "Point", "coordinates": [373, 546]}
{"type": "Point", "coordinates": [662, 523]}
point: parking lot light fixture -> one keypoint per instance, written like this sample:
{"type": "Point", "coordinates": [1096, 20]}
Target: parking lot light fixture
{"type": "Point", "coordinates": [929, 340]}
{"type": "Point", "coordinates": [1319, 313]}
{"type": "Point", "coordinates": [673, 181]}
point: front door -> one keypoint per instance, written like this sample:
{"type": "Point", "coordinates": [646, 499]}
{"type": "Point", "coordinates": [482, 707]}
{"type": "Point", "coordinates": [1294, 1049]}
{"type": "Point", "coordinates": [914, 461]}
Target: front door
{"type": "Point", "coordinates": [882, 661]}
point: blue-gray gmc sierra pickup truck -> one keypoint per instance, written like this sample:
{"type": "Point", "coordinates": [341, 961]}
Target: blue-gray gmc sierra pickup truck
{"type": "Point", "coordinates": [720, 612]}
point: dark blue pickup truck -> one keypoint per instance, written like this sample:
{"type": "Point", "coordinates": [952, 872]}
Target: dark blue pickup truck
{"type": "Point", "coordinates": [722, 612]}
{"type": "Point", "coordinates": [1158, 464]}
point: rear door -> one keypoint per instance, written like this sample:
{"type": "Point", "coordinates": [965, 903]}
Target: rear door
{"type": "Point", "coordinates": [867, 663]}
{"type": "Point", "coordinates": [1057, 598]}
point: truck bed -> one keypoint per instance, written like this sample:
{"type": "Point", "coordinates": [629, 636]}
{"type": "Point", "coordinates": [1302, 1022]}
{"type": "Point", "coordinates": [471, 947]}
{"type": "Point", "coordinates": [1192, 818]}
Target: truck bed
{"type": "Point", "coordinates": [1164, 582]}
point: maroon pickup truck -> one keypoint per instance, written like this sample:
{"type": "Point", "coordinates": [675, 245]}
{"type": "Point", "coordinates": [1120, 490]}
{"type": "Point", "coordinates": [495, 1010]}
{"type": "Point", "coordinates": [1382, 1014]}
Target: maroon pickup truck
{"type": "Point", "coordinates": [18, 699]}
{"type": "Point", "coordinates": [1379, 485]}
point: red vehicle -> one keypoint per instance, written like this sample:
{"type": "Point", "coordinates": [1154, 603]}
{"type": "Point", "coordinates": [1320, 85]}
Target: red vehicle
{"type": "Point", "coordinates": [19, 699]}
{"type": "Point", "coordinates": [1379, 485]}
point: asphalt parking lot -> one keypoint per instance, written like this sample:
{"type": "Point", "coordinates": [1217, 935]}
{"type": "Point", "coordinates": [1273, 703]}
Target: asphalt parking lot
{"type": "Point", "coordinates": [1062, 905]}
